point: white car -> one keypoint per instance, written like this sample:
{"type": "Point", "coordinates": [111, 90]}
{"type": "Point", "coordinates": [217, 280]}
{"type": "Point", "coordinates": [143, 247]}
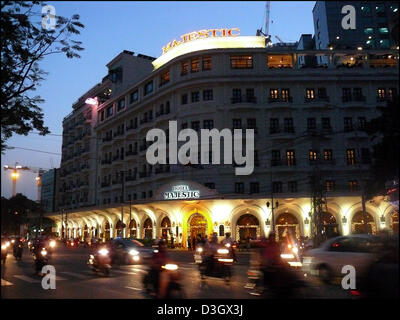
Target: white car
{"type": "Point", "coordinates": [328, 260]}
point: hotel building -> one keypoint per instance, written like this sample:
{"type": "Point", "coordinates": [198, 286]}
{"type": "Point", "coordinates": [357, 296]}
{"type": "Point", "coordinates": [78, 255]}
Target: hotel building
{"type": "Point", "coordinates": [308, 121]}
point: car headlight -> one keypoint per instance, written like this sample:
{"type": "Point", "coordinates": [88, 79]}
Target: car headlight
{"type": "Point", "coordinates": [103, 252]}
{"type": "Point", "coordinates": [52, 244]}
{"type": "Point", "coordinates": [134, 252]}
{"type": "Point", "coordinates": [223, 251]}
{"type": "Point", "coordinates": [199, 250]}
{"type": "Point", "coordinates": [287, 256]}
{"type": "Point", "coordinates": [3, 247]}
{"type": "Point", "coordinates": [170, 266]}
{"type": "Point", "coordinates": [43, 252]}
{"type": "Point", "coordinates": [295, 250]}
{"type": "Point", "coordinates": [228, 245]}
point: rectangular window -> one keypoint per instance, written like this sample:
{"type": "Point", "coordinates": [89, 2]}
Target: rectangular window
{"type": "Point", "coordinates": [310, 94]}
{"type": "Point", "coordinates": [365, 10]}
{"type": "Point", "coordinates": [250, 95]}
{"type": "Point", "coordinates": [237, 123]}
{"type": "Point", "coordinates": [273, 94]}
{"type": "Point", "coordinates": [277, 187]}
{"type": "Point", "coordinates": [208, 95]}
{"type": "Point", "coordinates": [348, 124]}
{"type": "Point", "coordinates": [207, 63]}
{"type": "Point", "coordinates": [109, 111]}
{"type": "Point", "coordinates": [252, 124]}
{"type": "Point", "coordinates": [328, 155]}
{"type": "Point", "coordinates": [312, 155]}
{"type": "Point", "coordinates": [288, 125]}
{"type": "Point", "coordinates": [326, 123]}
{"type": "Point", "coordinates": [254, 187]}
{"type": "Point", "coordinates": [121, 104]}
{"type": "Point", "coordinates": [381, 93]}
{"type": "Point", "coordinates": [196, 125]}
{"type": "Point", "coordinates": [392, 93]}
{"type": "Point", "coordinates": [102, 115]}
{"type": "Point", "coordinates": [362, 122]}
{"type": "Point", "coordinates": [322, 93]}
{"type": "Point", "coordinates": [195, 96]}
{"type": "Point", "coordinates": [184, 98]}
{"type": "Point", "coordinates": [384, 43]}
{"type": "Point", "coordinates": [353, 185]}
{"type": "Point", "coordinates": [273, 125]}
{"type": "Point", "coordinates": [357, 94]}
{"type": "Point", "coordinates": [369, 31]}
{"type": "Point", "coordinates": [292, 186]}
{"type": "Point", "coordinates": [134, 96]}
{"type": "Point", "coordinates": [236, 95]}
{"type": "Point", "coordinates": [351, 156]}
{"type": "Point", "coordinates": [184, 68]}
{"type": "Point", "coordinates": [148, 87]}
{"type": "Point", "coordinates": [290, 158]}
{"type": "Point", "coordinates": [329, 185]}
{"type": "Point", "coordinates": [239, 187]}
{"type": "Point", "coordinates": [164, 78]}
{"type": "Point", "coordinates": [195, 65]}
{"type": "Point", "coordinates": [241, 62]}
{"type": "Point", "coordinates": [311, 124]}
{"type": "Point", "coordinates": [346, 94]}
{"type": "Point", "coordinates": [275, 158]}
{"type": "Point", "coordinates": [208, 124]}
{"type": "Point", "coordinates": [184, 125]}
{"type": "Point", "coordinates": [210, 185]}
{"type": "Point", "coordinates": [285, 95]}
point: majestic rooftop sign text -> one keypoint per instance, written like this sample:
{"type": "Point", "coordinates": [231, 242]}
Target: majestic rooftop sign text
{"type": "Point", "coordinates": [201, 34]}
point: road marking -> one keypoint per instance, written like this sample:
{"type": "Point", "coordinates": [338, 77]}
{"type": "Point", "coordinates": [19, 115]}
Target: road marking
{"type": "Point", "coordinates": [5, 283]}
{"type": "Point", "coordinates": [124, 272]}
{"type": "Point", "coordinates": [139, 270]}
{"type": "Point", "coordinates": [27, 279]}
{"type": "Point", "coordinates": [74, 274]}
{"type": "Point", "coordinates": [133, 288]}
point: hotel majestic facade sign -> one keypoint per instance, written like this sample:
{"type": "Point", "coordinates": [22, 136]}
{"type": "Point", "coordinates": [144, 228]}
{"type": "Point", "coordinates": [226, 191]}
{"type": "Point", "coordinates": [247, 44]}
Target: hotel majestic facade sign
{"type": "Point", "coordinates": [202, 34]}
{"type": "Point", "coordinates": [181, 192]}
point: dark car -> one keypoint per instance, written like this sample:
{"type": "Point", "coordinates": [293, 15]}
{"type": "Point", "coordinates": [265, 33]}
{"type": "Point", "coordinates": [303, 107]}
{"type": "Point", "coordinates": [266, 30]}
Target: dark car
{"type": "Point", "coordinates": [129, 251]}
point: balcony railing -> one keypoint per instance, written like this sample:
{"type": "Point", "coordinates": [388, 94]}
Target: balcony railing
{"type": "Point", "coordinates": [105, 184]}
{"type": "Point", "coordinates": [244, 99]}
{"type": "Point", "coordinates": [130, 178]}
{"type": "Point", "coordinates": [283, 162]}
{"type": "Point", "coordinates": [131, 153]}
{"type": "Point", "coordinates": [282, 129]}
{"type": "Point", "coordinates": [280, 99]}
{"type": "Point", "coordinates": [316, 99]}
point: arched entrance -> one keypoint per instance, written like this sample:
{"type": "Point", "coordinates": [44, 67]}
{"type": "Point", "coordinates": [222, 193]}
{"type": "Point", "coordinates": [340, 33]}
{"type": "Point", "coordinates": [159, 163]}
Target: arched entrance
{"type": "Point", "coordinates": [197, 224]}
{"type": "Point", "coordinates": [132, 229]}
{"type": "Point", "coordinates": [85, 232]}
{"type": "Point", "coordinates": [120, 228]}
{"type": "Point", "coordinates": [394, 222]}
{"type": "Point", "coordinates": [330, 227]}
{"type": "Point", "coordinates": [107, 231]}
{"type": "Point", "coordinates": [165, 228]}
{"type": "Point", "coordinates": [247, 227]}
{"type": "Point", "coordinates": [287, 225]}
{"type": "Point", "coordinates": [357, 223]}
{"type": "Point", "coordinates": [148, 229]}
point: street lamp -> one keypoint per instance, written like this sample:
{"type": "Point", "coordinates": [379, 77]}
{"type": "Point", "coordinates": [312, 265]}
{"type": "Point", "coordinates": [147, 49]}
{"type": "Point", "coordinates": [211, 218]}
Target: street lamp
{"type": "Point", "coordinates": [272, 211]}
{"type": "Point", "coordinates": [14, 175]}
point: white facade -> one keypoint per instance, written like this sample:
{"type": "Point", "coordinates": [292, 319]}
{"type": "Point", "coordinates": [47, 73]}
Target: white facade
{"type": "Point", "coordinates": [296, 110]}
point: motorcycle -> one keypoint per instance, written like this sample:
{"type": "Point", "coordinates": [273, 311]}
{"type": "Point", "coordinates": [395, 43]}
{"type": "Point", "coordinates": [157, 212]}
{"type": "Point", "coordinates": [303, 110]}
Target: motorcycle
{"type": "Point", "coordinates": [173, 290]}
{"type": "Point", "coordinates": [100, 262]}
{"type": "Point", "coordinates": [18, 251]}
{"type": "Point", "coordinates": [4, 252]}
{"type": "Point", "coordinates": [278, 281]}
{"type": "Point", "coordinates": [40, 260]}
{"type": "Point", "coordinates": [218, 265]}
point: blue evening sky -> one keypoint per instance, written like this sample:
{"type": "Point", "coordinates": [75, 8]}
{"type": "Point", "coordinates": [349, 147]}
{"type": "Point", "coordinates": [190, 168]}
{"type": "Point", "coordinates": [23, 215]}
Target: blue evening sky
{"type": "Point", "coordinates": [142, 27]}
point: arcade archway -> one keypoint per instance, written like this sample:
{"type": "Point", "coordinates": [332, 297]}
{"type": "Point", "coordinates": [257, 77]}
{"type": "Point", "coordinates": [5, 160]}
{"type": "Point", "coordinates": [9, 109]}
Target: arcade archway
{"type": "Point", "coordinates": [165, 228]}
{"type": "Point", "coordinates": [330, 227]}
{"type": "Point", "coordinates": [132, 229]}
{"type": "Point", "coordinates": [148, 229]}
{"type": "Point", "coordinates": [287, 225]}
{"type": "Point", "coordinates": [394, 222]}
{"type": "Point", "coordinates": [357, 223]}
{"type": "Point", "coordinates": [247, 227]}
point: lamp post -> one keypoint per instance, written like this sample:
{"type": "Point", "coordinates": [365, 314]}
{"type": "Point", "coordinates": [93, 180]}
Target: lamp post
{"type": "Point", "coordinates": [14, 175]}
{"type": "Point", "coordinates": [272, 211]}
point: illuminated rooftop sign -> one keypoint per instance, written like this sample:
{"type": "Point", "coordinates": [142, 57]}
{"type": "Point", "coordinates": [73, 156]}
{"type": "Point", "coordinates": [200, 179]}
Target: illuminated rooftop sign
{"type": "Point", "coordinates": [233, 32]}
{"type": "Point", "coordinates": [207, 40]}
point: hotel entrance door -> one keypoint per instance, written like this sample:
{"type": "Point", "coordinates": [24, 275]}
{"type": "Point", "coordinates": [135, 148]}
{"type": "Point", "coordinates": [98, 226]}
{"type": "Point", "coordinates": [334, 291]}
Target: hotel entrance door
{"type": "Point", "coordinates": [197, 225]}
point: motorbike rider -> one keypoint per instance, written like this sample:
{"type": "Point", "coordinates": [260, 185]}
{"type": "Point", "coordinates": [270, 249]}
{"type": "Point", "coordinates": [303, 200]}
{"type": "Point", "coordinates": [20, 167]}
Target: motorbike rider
{"type": "Point", "coordinates": [270, 256]}
{"type": "Point", "coordinates": [228, 242]}
{"type": "Point", "coordinates": [158, 277]}
{"type": "Point", "coordinates": [210, 252]}
{"type": "Point", "coordinates": [17, 248]}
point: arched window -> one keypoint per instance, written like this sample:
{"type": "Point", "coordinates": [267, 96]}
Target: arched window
{"type": "Point", "coordinates": [330, 227]}
{"type": "Point", "coordinates": [132, 228]}
{"type": "Point", "coordinates": [148, 228]}
{"type": "Point", "coordinates": [165, 227]}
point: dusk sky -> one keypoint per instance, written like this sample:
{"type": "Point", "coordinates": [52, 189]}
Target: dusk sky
{"type": "Point", "coordinates": [142, 27]}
